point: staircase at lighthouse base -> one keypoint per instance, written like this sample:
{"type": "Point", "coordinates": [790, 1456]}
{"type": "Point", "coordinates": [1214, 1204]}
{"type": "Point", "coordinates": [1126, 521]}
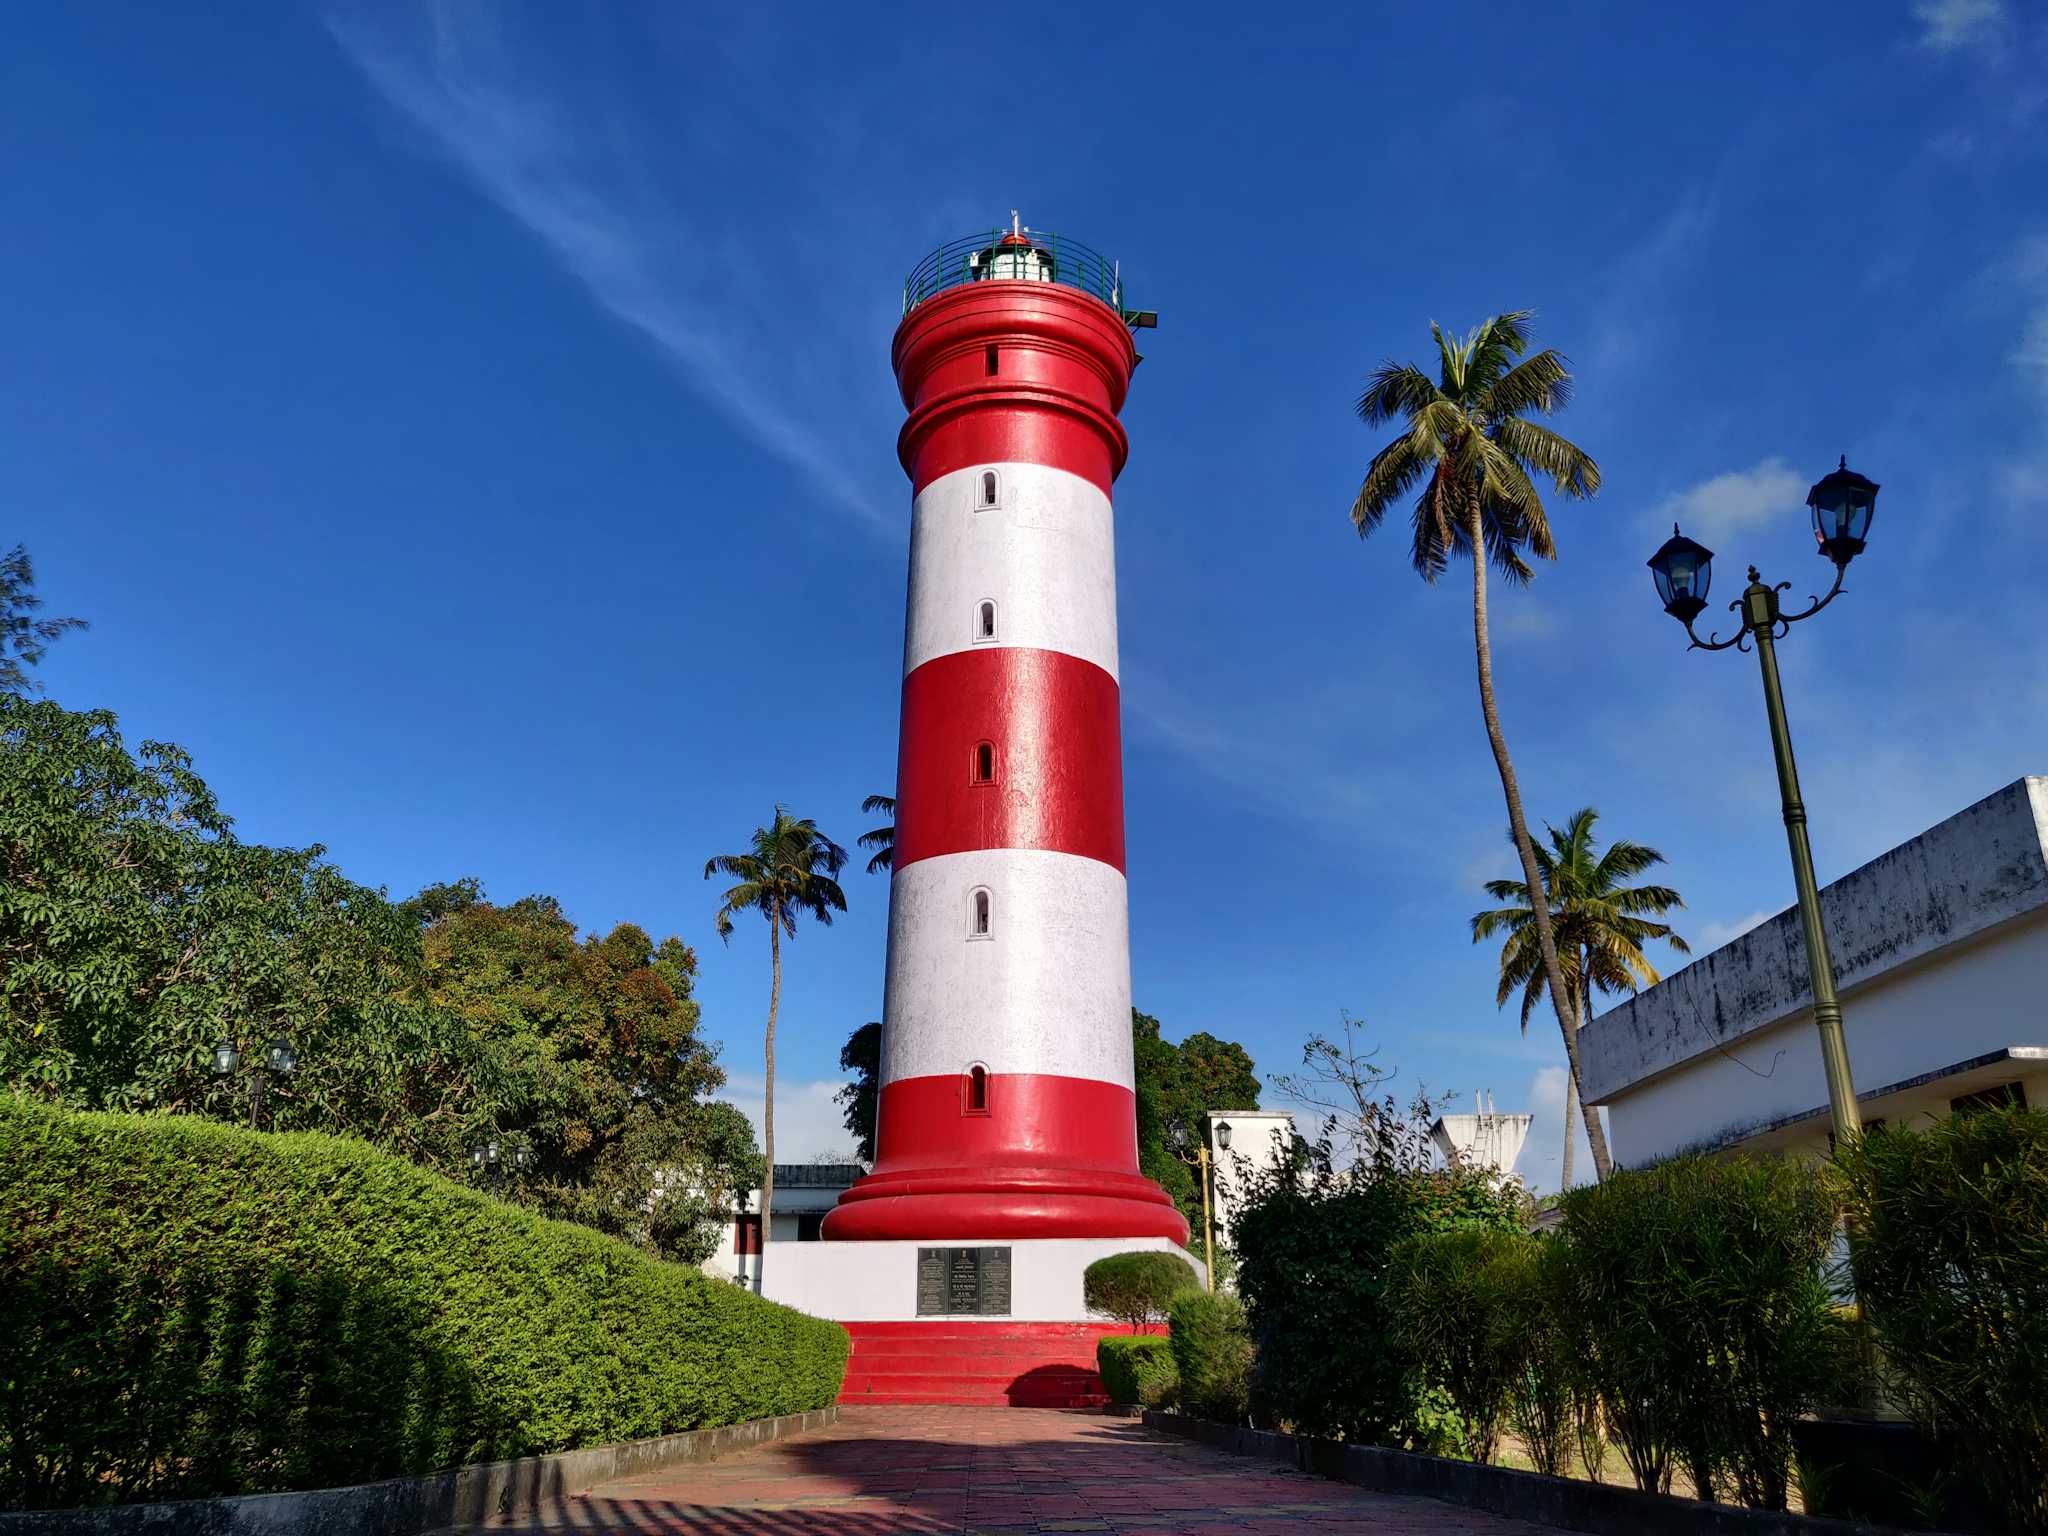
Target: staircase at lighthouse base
{"type": "Point", "coordinates": [998, 1364]}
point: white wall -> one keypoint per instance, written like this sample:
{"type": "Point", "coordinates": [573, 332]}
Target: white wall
{"type": "Point", "coordinates": [877, 1282]}
{"type": "Point", "coordinates": [1967, 1001]}
{"type": "Point", "coordinates": [1259, 1140]}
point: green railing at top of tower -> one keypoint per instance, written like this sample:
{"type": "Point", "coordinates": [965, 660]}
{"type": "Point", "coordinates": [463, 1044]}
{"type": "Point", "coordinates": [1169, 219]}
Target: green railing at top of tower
{"type": "Point", "coordinates": [1030, 255]}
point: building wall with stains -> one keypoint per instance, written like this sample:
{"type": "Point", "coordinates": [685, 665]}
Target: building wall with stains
{"type": "Point", "coordinates": [1941, 956]}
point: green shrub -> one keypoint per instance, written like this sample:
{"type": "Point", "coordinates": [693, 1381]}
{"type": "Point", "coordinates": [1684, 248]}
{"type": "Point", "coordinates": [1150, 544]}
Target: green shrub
{"type": "Point", "coordinates": [1212, 1355]}
{"type": "Point", "coordinates": [1698, 1294]}
{"type": "Point", "coordinates": [1313, 1243]}
{"type": "Point", "coordinates": [1137, 1288]}
{"type": "Point", "coordinates": [189, 1309]}
{"type": "Point", "coordinates": [1137, 1368]}
{"type": "Point", "coordinates": [1457, 1308]}
{"type": "Point", "coordinates": [1951, 1265]}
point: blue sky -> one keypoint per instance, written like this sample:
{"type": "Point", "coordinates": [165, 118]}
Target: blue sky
{"type": "Point", "coordinates": [469, 431]}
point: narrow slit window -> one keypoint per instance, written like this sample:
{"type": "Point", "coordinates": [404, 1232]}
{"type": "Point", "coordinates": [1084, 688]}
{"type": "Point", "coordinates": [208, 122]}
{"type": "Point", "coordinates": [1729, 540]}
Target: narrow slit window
{"type": "Point", "coordinates": [988, 494]}
{"type": "Point", "coordinates": [985, 763]}
{"type": "Point", "coordinates": [989, 361]}
{"type": "Point", "coordinates": [979, 927]}
{"type": "Point", "coordinates": [977, 1090]}
{"type": "Point", "coordinates": [985, 622]}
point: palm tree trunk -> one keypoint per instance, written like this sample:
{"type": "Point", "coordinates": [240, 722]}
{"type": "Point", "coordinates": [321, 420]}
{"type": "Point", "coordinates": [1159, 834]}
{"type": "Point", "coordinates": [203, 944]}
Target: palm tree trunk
{"type": "Point", "coordinates": [768, 1104]}
{"type": "Point", "coordinates": [1546, 939]}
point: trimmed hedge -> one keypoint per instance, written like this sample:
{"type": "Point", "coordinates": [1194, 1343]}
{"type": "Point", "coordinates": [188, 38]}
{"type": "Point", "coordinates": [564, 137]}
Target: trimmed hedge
{"type": "Point", "coordinates": [1212, 1355]}
{"type": "Point", "coordinates": [1137, 1368]}
{"type": "Point", "coordinates": [1137, 1288]}
{"type": "Point", "coordinates": [1951, 1263]}
{"type": "Point", "coordinates": [189, 1309]}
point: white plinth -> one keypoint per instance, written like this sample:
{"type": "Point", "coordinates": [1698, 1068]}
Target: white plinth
{"type": "Point", "coordinates": [877, 1282]}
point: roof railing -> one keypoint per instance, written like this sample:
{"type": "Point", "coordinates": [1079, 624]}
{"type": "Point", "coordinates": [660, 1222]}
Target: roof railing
{"type": "Point", "coordinates": [1027, 255]}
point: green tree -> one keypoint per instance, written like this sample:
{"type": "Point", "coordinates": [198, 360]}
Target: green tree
{"type": "Point", "coordinates": [137, 932]}
{"type": "Point", "coordinates": [785, 873]}
{"type": "Point", "coordinates": [883, 838]}
{"type": "Point", "coordinates": [607, 1034]}
{"type": "Point", "coordinates": [1601, 924]}
{"type": "Point", "coordinates": [861, 1098]}
{"type": "Point", "coordinates": [1179, 1085]}
{"type": "Point", "coordinates": [1468, 443]}
{"type": "Point", "coordinates": [24, 638]}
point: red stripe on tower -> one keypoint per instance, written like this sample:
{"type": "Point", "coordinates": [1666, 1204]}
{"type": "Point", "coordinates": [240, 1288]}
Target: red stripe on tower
{"type": "Point", "coordinates": [1006, 1106]}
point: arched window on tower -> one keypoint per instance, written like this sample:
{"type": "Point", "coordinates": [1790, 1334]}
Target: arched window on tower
{"type": "Point", "coordinates": [978, 920]}
{"type": "Point", "coordinates": [974, 1091]}
{"type": "Point", "coordinates": [985, 763]}
{"type": "Point", "coordinates": [988, 491]}
{"type": "Point", "coordinates": [984, 621]}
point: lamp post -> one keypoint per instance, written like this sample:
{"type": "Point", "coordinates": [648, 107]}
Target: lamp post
{"type": "Point", "coordinates": [1842, 504]}
{"type": "Point", "coordinates": [280, 1059]}
{"type": "Point", "coordinates": [1183, 1143]}
{"type": "Point", "coordinates": [491, 1155]}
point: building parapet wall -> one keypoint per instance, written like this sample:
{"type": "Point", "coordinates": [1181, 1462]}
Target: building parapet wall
{"type": "Point", "coordinates": [1976, 871]}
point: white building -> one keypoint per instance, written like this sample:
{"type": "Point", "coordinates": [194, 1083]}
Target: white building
{"type": "Point", "coordinates": [804, 1192]}
{"type": "Point", "coordinates": [1243, 1144]}
{"type": "Point", "coordinates": [1941, 960]}
{"type": "Point", "coordinates": [1485, 1138]}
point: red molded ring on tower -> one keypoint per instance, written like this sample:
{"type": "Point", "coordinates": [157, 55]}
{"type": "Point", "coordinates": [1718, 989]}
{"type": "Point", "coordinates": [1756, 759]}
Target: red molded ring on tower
{"type": "Point", "coordinates": [1055, 760]}
{"type": "Point", "coordinates": [1061, 358]}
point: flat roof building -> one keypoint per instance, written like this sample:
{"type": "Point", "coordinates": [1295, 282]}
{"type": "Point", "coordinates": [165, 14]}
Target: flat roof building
{"type": "Point", "coordinates": [1941, 959]}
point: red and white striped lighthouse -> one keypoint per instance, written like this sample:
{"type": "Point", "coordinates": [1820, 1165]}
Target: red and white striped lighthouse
{"type": "Point", "coordinates": [1006, 1105]}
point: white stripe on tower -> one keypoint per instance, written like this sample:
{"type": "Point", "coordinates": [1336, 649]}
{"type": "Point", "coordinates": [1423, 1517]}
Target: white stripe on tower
{"type": "Point", "coordinates": [1044, 555]}
{"type": "Point", "coordinates": [1048, 992]}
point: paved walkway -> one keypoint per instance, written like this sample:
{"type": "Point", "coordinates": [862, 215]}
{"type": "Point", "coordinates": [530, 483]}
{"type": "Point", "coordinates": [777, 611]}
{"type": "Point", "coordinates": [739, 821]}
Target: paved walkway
{"type": "Point", "coordinates": [922, 1471]}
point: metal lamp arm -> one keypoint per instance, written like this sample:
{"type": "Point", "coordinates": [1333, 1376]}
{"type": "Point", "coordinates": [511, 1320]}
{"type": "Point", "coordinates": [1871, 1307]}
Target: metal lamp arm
{"type": "Point", "coordinates": [1817, 603]}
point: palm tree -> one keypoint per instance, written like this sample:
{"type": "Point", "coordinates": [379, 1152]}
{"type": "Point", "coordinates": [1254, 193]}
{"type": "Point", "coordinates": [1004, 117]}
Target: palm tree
{"type": "Point", "coordinates": [788, 870]}
{"type": "Point", "coordinates": [882, 839]}
{"type": "Point", "coordinates": [1600, 924]}
{"type": "Point", "coordinates": [1469, 444]}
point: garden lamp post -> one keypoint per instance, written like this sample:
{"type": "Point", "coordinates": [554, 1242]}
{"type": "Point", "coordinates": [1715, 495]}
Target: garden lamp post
{"type": "Point", "coordinates": [1842, 504]}
{"type": "Point", "coordinates": [491, 1155]}
{"type": "Point", "coordinates": [280, 1059]}
{"type": "Point", "coordinates": [1183, 1142]}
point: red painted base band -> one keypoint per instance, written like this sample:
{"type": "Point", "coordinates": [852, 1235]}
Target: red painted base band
{"type": "Point", "coordinates": [993, 1364]}
{"type": "Point", "coordinates": [1051, 720]}
{"type": "Point", "coordinates": [1052, 1157]}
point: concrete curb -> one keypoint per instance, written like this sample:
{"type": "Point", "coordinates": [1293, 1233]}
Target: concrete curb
{"type": "Point", "coordinates": [1566, 1503]}
{"type": "Point", "coordinates": [408, 1506]}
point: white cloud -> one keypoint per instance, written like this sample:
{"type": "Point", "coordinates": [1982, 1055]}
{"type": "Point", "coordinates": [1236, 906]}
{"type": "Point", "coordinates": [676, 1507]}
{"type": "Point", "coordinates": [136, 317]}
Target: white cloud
{"type": "Point", "coordinates": [1736, 500]}
{"type": "Point", "coordinates": [1633, 312]}
{"type": "Point", "coordinates": [1946, 25]}
{"type": "Point", "coordinates": [1714, 935]}
{"type": "Point", "coordinates": [589, 198]}
{"type": "Point", "coordinates": [809, 1122]}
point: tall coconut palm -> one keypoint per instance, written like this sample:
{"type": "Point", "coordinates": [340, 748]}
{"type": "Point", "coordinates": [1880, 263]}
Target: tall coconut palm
{"type": "Point", "coordinates": [786, 871]}
{"type": "Point", "coordinates": [882, 839]}
{"type": "Point", "coordinates": [1601, 925]}
{"type": "Point", "coordinates": [1466, 441]}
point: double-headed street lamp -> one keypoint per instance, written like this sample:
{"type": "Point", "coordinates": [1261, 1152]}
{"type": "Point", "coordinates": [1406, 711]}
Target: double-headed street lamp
{"type": "Point", "coordinates": [280, 1059]}
{"type": "Point", "coordinates": [490, 1157]}
{"type": "Point", "coordinates": [1183, 1141]}
{"type": "Point", "coordinates": [1842, 504]}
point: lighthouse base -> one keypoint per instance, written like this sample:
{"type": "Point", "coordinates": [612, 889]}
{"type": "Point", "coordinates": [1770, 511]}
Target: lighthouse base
{"type": "Point", "coordinates": [1040, 1353]}
{"type": "Point", "coordinates": [1005, 1204]}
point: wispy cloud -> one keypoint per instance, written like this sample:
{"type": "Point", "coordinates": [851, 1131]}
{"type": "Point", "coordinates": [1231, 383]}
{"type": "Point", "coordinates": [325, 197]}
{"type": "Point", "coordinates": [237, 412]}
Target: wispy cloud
{"type": "Point", "coordinates": [1632, 313]}
{"type": "Point", "coordinates": [585, 194]}
{"type": "Point", "coordinates": [1948, 25]}
{"type": "Point", "coordinates": [1714, 935]}
{"type": "Point", "coordinates": [1733, 501]}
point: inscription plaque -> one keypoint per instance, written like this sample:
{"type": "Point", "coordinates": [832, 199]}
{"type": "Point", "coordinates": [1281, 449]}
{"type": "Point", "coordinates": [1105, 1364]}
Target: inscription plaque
{"type": "Point", "coordinates": [963, 1282]}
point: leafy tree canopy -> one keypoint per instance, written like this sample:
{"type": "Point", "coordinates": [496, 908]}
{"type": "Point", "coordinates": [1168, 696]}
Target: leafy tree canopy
{"type": "Point", "coordinates": [137, 932]}
{"type": "Point", "coordinates": [1180, 1084]}
{"type": "Point", "coordinates": [24, 638]}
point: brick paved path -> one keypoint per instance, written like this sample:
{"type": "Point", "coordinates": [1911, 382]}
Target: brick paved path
{"type": "Point", "coordinates": [921, 1471]}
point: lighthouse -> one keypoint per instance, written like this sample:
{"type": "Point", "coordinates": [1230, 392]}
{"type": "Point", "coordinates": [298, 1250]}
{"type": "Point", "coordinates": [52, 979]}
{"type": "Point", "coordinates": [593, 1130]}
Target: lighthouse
{"type": "Point", "coordinates": [1007, 1112]}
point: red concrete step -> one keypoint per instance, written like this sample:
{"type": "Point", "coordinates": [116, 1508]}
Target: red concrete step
{"type": "Point", "coordinates": [951, 1363]}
